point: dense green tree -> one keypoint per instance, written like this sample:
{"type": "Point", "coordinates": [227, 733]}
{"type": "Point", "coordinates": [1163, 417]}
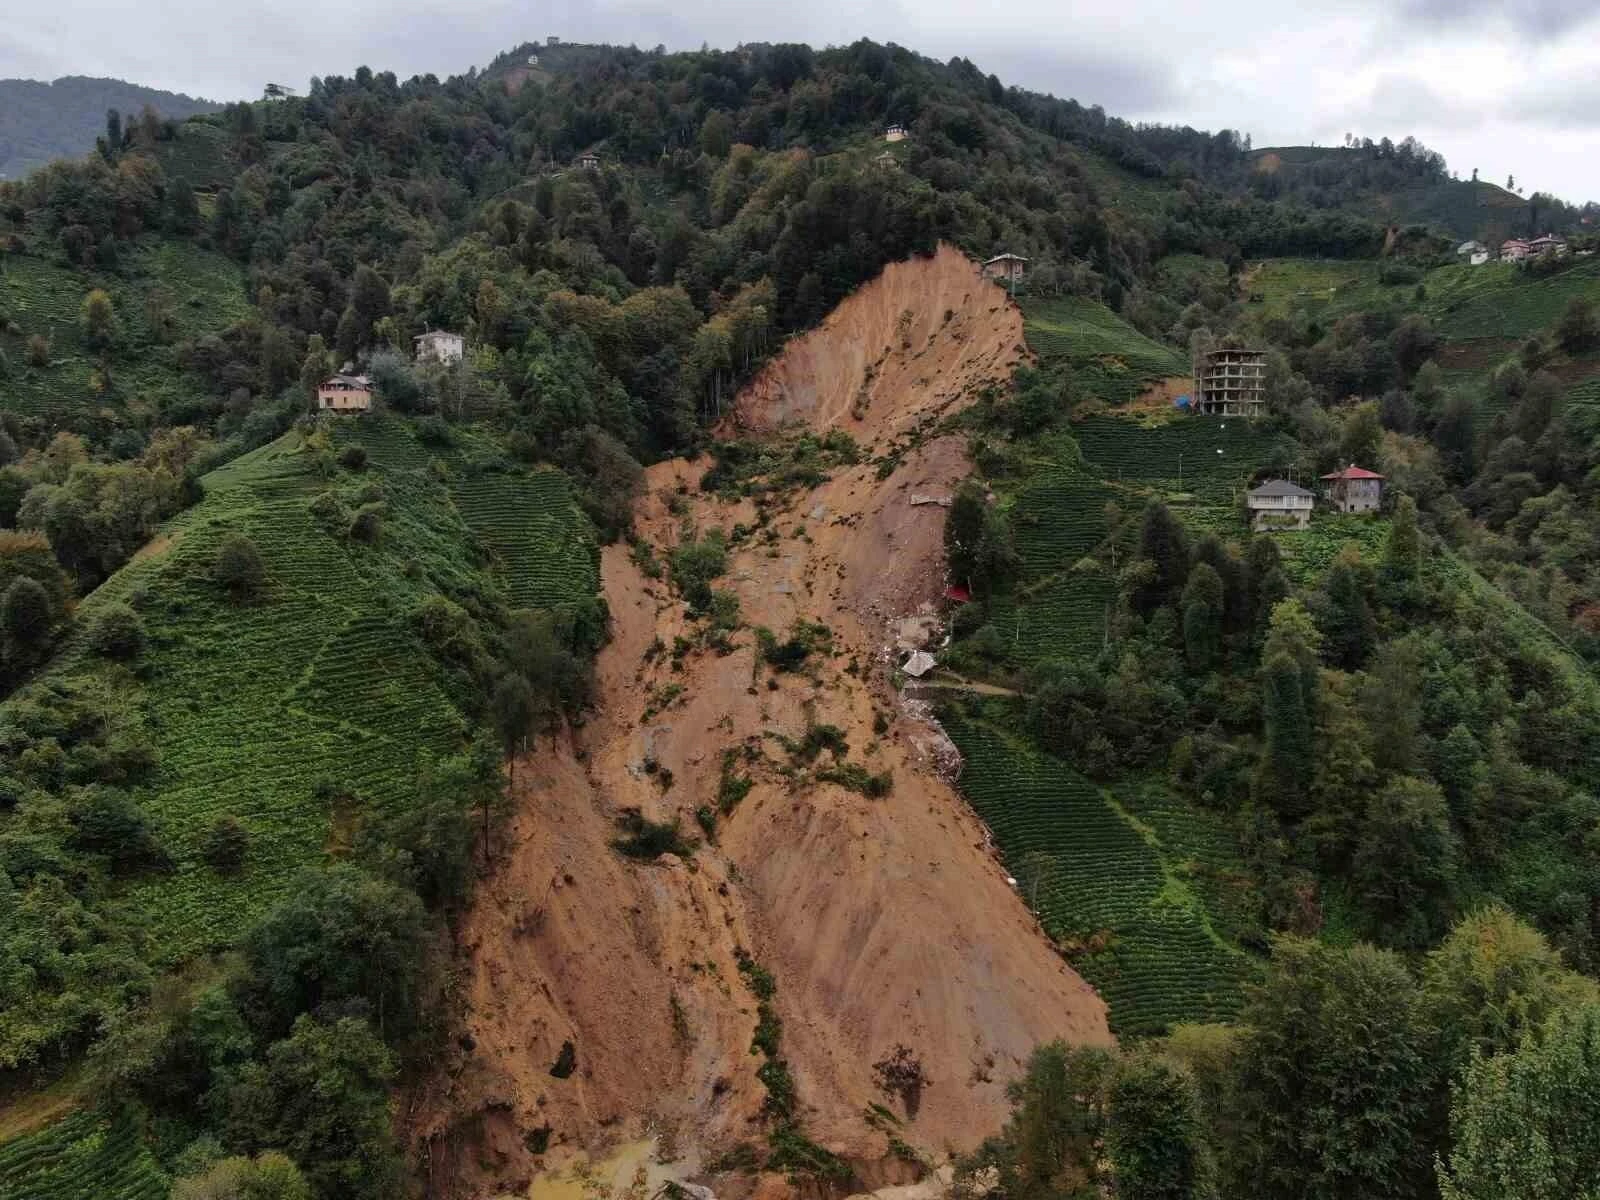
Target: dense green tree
{"type": "Point", "coordinates": [1333, 1078]}
{"type": "Point", "coordinates": [1405, 863]}
{"type": "Point", "coordinates": [1162, 543]}
{"type": "Point", "coordinates": [1402, 556]}
{"type": "Point", "coordinates": [1579, 327]}
{"type": "Point", "coordinates": [1155, 1137]}
{"type": "Point", "coordinates": [98, 321]}
{"type": "Point", "coordinates": [239, 568]}
{"type": "Point", "coordinates": [268, 1176]}
{"type": "Point", "coordinates": [1343, 614]}
{"type": "Point", "coordinates": [1202, 617]}
{"type": "Point", "coordinates": [1492, 981]}
{"type": "Point", "coordinates": [321, 1097]}
{"type": "Point", "coordinates": [26, 618]}
{"type": "Point", "coordinates": [117, 632]}
{"type": "Point", "coordinates": [1048, 1148]}
{"type": "Point", "coordinates": [340, 935]}
{"type": "Point", "coordinates": [1525, 1124]}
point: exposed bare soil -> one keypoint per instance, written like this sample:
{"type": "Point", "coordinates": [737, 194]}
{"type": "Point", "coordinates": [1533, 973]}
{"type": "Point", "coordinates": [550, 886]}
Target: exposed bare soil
{"type": "Point", "coordinates": [884, 921]}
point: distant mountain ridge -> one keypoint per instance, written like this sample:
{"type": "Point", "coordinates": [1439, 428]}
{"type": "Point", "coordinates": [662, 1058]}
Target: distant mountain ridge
{"type": "Point", "coordinates": [41, 122]}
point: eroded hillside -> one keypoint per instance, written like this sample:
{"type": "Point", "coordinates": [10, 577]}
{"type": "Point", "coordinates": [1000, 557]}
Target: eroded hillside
{"type": "Point", "coordinates": [882, 920]}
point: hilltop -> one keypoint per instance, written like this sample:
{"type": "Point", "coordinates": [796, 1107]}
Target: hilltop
{"type": "Point", "coordinates": [41, 122]}
{"type": "Point", "coordinates": [1408, 185]}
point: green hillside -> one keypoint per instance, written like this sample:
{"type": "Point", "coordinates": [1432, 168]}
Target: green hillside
{"type": "Point", "coordinates": [43, 121]}
{"type": "Point", "coordinates": [1107, 356]}
{"type": "Point", "coordinates": [309, 714]}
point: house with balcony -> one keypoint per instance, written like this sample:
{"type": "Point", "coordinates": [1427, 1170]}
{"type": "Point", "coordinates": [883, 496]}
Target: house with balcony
{"type": "Point", "coordinates": [1279, 504]}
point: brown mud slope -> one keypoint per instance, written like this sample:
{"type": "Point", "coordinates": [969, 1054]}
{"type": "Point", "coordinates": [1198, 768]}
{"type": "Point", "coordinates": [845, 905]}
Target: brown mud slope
{"type": "Point", "coordinates": [883, 921]}
{"type": "Point", "coordinates": [920, 337]}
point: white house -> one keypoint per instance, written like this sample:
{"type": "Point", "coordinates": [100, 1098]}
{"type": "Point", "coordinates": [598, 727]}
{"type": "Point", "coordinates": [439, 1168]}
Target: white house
{"type": "Point", "coordinates": [589, 162]}
{"type": "Point", "coordinates": [896, 133]}
{"type": "Point", "coordinates": [438, 346]}
{"type": "Point", "coordinates": [1468, 249]}
{"type": "Point", "coordinates": [1279, 504]}
{"type": "Point", "coordinates": [1514, 250]}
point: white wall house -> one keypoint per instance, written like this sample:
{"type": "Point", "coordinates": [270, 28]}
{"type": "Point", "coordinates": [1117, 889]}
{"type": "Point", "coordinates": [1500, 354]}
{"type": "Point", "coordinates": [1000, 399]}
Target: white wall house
{"type": "Point", "coordinates": [438, 346]}
{"type": "Point", "coordinates": [1279, 504]}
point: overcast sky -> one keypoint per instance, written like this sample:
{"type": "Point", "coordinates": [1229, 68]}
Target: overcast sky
{"type": "Point", "coordinates": [1509, 87]}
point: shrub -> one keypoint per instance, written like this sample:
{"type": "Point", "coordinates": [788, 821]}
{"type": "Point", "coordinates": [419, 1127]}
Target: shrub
{"type": "Point", "coordinates": [117, 633]}
{"type": "Point", "coordinates": [354, 457]}
{"type": "Point", "coordinates": [38, 351]}
{"type": "Point", "coordinates": [649, 839]}
{"type": "Point", "coordinates": [239, 568]}
{"type": "Point", "coordinates": [225, 845]}
{"type": "Point", "coordinates": [367, 525]}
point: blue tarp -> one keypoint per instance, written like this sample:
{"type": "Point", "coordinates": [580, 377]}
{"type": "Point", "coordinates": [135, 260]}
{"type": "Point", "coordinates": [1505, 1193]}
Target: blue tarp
{"type": "Point", "coordinates": [1182, 401]}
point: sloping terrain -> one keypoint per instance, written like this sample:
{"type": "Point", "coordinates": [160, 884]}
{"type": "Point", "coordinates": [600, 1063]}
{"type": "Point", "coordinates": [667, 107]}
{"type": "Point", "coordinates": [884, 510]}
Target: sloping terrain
{"type": "Point", "coordinates": [883, 920]}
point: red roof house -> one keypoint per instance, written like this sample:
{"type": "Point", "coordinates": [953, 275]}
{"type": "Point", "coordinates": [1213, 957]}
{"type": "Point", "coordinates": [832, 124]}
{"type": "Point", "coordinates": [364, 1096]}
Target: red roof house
{"type": "Point", "coordinates": [1354, 489]}
{"type": "Point", "coordinates": [957, 594]}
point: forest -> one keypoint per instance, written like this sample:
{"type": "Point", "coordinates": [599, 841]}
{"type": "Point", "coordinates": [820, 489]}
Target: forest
{"type": "Point", "coordinates": [1392, 732]}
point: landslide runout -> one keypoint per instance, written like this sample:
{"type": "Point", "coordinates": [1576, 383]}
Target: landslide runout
{"type": "Point", "coordinates": [884, 921]}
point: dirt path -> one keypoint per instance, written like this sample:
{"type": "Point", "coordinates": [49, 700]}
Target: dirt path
{"type": "Point", "coordinates": [884, 921]}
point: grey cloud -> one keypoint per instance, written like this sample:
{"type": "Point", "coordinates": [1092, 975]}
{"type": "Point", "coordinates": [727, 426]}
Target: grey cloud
{"type": "Point", "coordinates": [1530, 18]}
{"type": "Point", "coordinates": [1401, 104]}
{"type": "Point", "coordinates": [1565, 104]}
{"type": "Point", "coordinates": [1131, 86]}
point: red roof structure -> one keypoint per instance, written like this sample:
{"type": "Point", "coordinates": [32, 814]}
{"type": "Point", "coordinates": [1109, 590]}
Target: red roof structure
{"type": "Point", "coordinates": [955, 592]}
{"type": "Point", "coordinates": [1354, 472]}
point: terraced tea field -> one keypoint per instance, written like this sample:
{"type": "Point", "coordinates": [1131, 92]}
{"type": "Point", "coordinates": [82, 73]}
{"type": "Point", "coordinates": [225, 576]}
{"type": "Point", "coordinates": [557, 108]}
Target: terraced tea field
{"type": "Point", "coordinates": [1058, 517]}
{"type": "Point", "coordinates": [200, 292]}
{"type": "Point", "coordinates": [1109, 882]}
{"type": "Point", "coordinates": [1110, 359]}
{"type": "Point", "coordinates": [531, 525]}
{"type": "Point", "coordinates": [1211, 458]}
{"type": "Point", "coordinates": [83, 1157]}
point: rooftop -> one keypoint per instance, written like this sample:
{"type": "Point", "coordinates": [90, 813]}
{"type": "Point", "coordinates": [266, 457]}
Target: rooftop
{"type": "Point", "coordinates": [1280, 487]}
{"type": "Point", "coordinates": [1005, 258]}
{"type": "Point", "coordinates": [1353, 472]}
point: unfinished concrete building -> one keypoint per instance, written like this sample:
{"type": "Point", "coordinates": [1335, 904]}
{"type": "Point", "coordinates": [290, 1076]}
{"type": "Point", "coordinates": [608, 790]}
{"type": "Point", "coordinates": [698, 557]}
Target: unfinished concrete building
{"type": "Point", "coordinates": [1230, 383]}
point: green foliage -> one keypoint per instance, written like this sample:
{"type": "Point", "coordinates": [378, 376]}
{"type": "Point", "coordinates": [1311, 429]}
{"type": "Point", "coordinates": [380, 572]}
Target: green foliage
{"type": "Point", "coordinates": [1155, 1136]}
{"type": "Point", "coordinates": [694, 563]}
{"type": "Point", "coordinates": [117, 632]}
{"type": "Point", "coordinates": [268, 1176]}
{"type": "Point", "coordinates": [239, 569]}
{"type": "Point", "coordinates": [1405, 863]}
{"type": "Point", "coordinates": [1493, 981]}
{"type": "Point", "coordinates": [226, 844]}
{"type": "Point", "coordinates": [1526, 1123]}
{"type": "Point", "coordinates": [1049, 1147]}
{"type": "Point", "coordinates": [321, 1097]}
{"type": "Point", "coordinates": [1202, 616]}
{"type": "Point", "coordinates": [1314, 1118]}
{"type": "Point", "coordinates": [649, 839]}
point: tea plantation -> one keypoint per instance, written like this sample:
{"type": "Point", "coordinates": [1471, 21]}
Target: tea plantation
{"type": "Point", "coordinates": [1110, 359]}
{"type": "Point", "coordinates": [82, 1156]}
{"type": "Point", "coordinates": [304, 712]}
{"type": "Point", "coordinates": [1109, 885]}
{"type": "Point", "coordinates": [191, 291]}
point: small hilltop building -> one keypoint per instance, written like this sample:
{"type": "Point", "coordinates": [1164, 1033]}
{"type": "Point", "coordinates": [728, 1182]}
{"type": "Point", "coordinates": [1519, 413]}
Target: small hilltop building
{"type": "Point", "coordinates": [1354, 490]}
{"type": "Point", "coordinates": [439, 346]}
{"type": "Point", "coordinates": [1007, 268]}
{"type": "Point", "coordinates": [589, 162]}
{"type": "Point", "coordinates": [896, 133]}
{"type": "Point", "coordinates": [1230, 383]}
{"type": "Point", "coordinates": [345, 394]}
{"type": "Point", "coordinates": [1279, 504]}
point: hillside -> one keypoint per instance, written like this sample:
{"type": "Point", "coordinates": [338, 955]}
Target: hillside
{"type": "Point", "coordinates": [1402, 189]}
{"type": "Point", "coordinates": [527, 781]}
{"type": "Point", "coordinates": [41, 122]}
